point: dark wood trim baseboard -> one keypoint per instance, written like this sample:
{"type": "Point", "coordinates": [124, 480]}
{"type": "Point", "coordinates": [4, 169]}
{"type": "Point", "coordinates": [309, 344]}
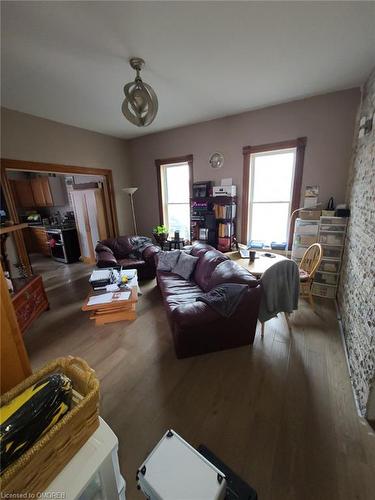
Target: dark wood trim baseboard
{"type": "Point", "coordinates": [300, 145]}
{"type": "Point", "coordinates": [169, 161]}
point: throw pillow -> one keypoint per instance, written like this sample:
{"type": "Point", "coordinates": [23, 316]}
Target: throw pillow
{"type": "Point", "coordinates": [185, 265]}
{"type": "Point", "coordinates": [167, 260]}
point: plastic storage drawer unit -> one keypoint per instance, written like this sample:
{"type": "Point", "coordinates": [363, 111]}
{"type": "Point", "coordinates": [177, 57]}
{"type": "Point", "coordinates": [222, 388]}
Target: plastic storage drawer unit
{"type": "Point", "coordinates": [298, 251]}
{"type": "Point", "coordinates": [174, 470]}
{"type": "Point", "coordinates": [305, 239]}
{"type": "Point", "coordinates": [330, 265]}
{"type": "Point", "coordinates": [326, 278]}
{"type": "Point", "coordinates": [332, 252]}
{"type": "Point", "coordinates": [306, 227]}
{"type": "Point", "coordinates": [333, 220]}
{"type": "Point", "coordinates": [337, 228]}
{"type": "Point", "coordinates": [331, 238]}
{"type": "Point", "coordinates": [327, 291]}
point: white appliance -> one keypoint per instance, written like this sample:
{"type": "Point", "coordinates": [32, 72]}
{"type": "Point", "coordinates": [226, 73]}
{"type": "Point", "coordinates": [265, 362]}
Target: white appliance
{"type": "Point", "coordinates": [175, 470]}
{"type": "Point", "coordinates": [224, 191]}
{"type": "Point", "coordinates": [93, 473]}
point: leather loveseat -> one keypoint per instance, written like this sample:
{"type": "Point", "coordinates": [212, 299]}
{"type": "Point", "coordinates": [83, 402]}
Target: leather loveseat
{"type": "Point", "coordinates": [196, 327]}
{"type": "Point", "coordinates": [130, 252]}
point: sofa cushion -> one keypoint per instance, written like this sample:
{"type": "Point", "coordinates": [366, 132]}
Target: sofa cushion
{"type": "Point", "coordinates": [185, 265]}
{"type": "Point", "coordinates": [173, 301]}
{"type": "Point", "coordinates": [206, 266]}
{"type": "Point", "coordinates": [167, 260]}
{"type": "Point", "coordinates": [231, 272]}
{"type": "Point", "coordinates": [121, 246]}
{"type": "Point", "coordinates": [200, 249]}
{"type": "Point", "coordinates": [131, 263]}
{"type": "Point", "coordinates": [173, 284]}
{"type": "Point", "coordinates": [103, 248]}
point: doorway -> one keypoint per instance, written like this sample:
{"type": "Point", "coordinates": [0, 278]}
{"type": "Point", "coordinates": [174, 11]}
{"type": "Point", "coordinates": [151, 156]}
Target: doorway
{"type": "Point", "coordinates": [58, 201]}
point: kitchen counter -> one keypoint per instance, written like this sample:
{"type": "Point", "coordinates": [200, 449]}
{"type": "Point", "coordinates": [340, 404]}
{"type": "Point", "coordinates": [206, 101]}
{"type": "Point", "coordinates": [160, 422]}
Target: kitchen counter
{"type": "Point", "coordinates": [48, 228]}
{"type": "Point", "coordinates": [11, 229]}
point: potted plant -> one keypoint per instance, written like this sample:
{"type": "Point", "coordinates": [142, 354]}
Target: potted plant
{"type": "Point", "coordinates": [160, 234]}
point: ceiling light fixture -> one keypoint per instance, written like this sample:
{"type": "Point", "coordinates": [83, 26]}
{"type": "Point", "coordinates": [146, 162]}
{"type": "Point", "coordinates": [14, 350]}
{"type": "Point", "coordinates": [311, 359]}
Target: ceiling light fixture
{"type": "Point", "coordinates": [140, 105]}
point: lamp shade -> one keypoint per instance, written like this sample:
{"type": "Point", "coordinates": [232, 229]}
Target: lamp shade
{"type": "Point", "coordinates": [129, 190]}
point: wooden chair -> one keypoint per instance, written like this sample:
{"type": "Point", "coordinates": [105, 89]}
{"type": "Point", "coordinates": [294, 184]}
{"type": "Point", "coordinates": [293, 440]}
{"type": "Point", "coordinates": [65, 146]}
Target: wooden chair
{"type": "Point", "coordinates": [308, 266]}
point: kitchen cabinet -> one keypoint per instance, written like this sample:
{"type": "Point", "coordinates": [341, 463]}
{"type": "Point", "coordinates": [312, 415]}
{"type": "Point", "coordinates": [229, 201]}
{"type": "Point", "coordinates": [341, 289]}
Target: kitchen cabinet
{"type": "Point", "coordinates": [38, 193]}
{"type": "Point", "coordinates": [41, 191]}
{"type": "Point", "coordinates": [46, 189]}
{"type": "Point", "coordinates": [23, 193]}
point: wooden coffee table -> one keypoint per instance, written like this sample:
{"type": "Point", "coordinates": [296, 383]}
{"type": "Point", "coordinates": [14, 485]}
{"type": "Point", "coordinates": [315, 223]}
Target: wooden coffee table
{"type": "Point", "coordinates": [259, 265]}
{"type": "Point", "coordinates": [117, 310]}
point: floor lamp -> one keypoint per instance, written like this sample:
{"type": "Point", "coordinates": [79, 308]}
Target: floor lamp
{"type": "Point", "coordinates": [130, 192]}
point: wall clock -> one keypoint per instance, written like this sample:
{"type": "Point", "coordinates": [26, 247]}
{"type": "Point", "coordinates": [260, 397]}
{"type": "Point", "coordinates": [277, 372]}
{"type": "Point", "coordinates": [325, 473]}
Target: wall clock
{"type": "Point", "coordinates": [216, 160]}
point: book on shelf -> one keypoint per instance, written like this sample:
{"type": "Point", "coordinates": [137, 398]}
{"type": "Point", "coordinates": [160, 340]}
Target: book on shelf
{"type": "Point", "coordinates": [224, 244]}
{"type": "Point", "coordinates": [225, 229]}
{"type": "Point", "coordinates": [225, 211]}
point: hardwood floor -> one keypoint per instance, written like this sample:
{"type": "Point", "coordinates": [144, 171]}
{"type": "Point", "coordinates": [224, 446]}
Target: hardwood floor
{"type": "Point", "coordinates": [54, 273]}
{"type": "Point", "coordinates": [280, 413]}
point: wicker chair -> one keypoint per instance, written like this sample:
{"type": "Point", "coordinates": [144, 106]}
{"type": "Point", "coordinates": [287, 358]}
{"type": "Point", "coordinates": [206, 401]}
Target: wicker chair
{"type": "Point", "coordinates": [308, 266]}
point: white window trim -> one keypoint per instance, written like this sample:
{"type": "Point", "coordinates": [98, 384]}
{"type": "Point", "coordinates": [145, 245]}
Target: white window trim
{"type": "Point", "coordinates": [251, 185]}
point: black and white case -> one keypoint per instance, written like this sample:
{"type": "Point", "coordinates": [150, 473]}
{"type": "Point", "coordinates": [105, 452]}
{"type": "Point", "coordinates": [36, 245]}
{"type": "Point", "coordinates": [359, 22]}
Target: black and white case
{"type": "Point", "coordinates": [174, 470]}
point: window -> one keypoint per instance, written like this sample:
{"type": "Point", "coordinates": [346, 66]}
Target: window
{"type": "Point", "coordinates": [272, 185]}
{"type": "Point", "coordinates": [271, 182]}
{"type": "Point", "coordinates": [174, 189]}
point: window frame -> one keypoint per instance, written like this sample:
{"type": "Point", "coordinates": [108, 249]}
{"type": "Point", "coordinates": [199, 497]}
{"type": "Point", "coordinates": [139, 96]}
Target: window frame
{"type": "Point", "coordinates": [160, 163]}
{"type": "Point", "coordinates": [299, 145]}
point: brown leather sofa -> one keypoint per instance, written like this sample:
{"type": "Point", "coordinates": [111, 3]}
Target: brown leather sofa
{"type": "Point", "coordinates": [197, 328]}
{"type": "Point", "coordinates": [122, 251]}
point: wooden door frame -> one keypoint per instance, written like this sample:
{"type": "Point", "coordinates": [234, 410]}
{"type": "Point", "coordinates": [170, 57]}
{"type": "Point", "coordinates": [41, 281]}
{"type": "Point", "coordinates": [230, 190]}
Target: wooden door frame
{"type": "Point", "coordinates": [247, 151]}
{"type": "Point", "coordinates": [55, 168]}
{"type": "Point", "coordinates": [170, 161]}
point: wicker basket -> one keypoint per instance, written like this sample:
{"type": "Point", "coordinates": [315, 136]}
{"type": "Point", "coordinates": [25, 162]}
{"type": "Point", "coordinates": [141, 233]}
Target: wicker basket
{"type": "Point", "coordinates": [31, 473]}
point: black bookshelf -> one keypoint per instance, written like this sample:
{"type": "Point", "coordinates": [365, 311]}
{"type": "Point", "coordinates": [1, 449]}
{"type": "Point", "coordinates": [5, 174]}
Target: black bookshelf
{"type": "Point", "coordinates": [213, 220]}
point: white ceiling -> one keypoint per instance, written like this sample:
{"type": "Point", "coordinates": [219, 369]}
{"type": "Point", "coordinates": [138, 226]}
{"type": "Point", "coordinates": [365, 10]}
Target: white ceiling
{"type": "Point", "coordinates": [68, 61]}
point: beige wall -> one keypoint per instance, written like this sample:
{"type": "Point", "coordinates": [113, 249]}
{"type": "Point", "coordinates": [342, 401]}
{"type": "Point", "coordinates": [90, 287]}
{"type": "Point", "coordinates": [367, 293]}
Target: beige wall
{"type": "Point", "coordinates": [327, 121]}
{"type": "Point", "coordinates": [27, 137]}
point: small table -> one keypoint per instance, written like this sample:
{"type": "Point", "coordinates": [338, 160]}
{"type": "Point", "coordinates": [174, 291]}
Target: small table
{"type": "Point", "coordinates": [174, 244]}
{"type": "Point", "coordinates": [117, 310]}
{"type": "Point", "coordinates": [260, 264]}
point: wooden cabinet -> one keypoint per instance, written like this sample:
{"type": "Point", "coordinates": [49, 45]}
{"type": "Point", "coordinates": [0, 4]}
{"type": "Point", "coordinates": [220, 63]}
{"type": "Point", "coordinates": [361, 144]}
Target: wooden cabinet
{"type": "Point", "coordinates": [23, 193]}
{"type": "Point", "coordinates": [38, 193]}
{"type": "Point", "coordinates": [29, 301]}
{"type": "Point", "coordinates": [14, 362]}
{"type": "Point", "coordinates": [41, 191]}
{"type": "Point", "coordinates": [46, 189]}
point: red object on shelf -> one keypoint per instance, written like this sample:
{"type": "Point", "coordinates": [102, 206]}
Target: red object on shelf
{"type": "Point", "coordinates": [52, 243]}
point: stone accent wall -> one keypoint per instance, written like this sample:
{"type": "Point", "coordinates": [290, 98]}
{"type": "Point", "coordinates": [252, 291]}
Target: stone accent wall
{"type": "Point", "coordinates": [356, 294]}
